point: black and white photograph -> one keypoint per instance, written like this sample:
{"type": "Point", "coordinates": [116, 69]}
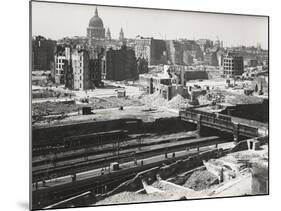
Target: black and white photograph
{"type": "Point", "coordinates": [135, 105]}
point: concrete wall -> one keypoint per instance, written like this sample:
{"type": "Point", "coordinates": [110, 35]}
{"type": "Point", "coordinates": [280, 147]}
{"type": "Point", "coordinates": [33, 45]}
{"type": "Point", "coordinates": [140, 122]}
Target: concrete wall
{"type": "Point", "coordinates": [195, 75]}
{"type": "Point", "coordinates": [258, 111]}
{"type": "Point", "coordinates": [166, 171]}
{"type": "Point", "coordinates": [55, 134]}
{"type": "Point", "coordinates": [260, 179]}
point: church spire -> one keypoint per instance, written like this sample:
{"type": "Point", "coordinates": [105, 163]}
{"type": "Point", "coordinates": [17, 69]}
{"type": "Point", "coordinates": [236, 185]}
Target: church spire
{"type": "Point", "coordinates": [96, 12]}
{"type": "Point", "coordinates": [108, 34]}
{"type": "Point", "coordinates": [121, 34]}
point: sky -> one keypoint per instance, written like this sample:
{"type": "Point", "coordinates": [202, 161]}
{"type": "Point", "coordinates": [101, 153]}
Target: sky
{"type": "Point", "coordinates": [57, 20]}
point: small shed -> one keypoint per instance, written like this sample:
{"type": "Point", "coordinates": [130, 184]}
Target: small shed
{"type": "Point", "coordinates": [114, 166]}
{"type": "Point", "coordinates": [121, 93]}
{"type": "Point", "coordinates": [85, 110]}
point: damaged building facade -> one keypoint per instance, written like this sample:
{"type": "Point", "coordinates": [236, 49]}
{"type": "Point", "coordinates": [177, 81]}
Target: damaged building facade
{"type": "Point", "coordinates": [176, 52]}
{"type": "Point", "coordinates": [232, 64]}
{"type": "Point", "coordinates": [62, 64]}
{"type": "Point", "coordinates": [87, 67]}
{"type": "Point", "coordinates": [120, 64]}
{"type": "Point", "coordinates": [153, 50]}
{"type": "Point", "coordinates": [77, 68]}
{"type": "Point", "coordinates": [165, 84]}
{"type": "Point", "coordinates": [42, 53]}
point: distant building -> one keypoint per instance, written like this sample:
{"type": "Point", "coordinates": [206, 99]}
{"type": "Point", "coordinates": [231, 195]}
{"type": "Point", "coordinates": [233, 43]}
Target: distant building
{"type": "Point", "coordinates": [175, 52]}
{"type": "Point", "coordinates": [95, 30]}
{"type": "Point", "coordinates": [153, 50]}
{"type": "Point", "coordinates": [142, 65]}
{"type": "Point", "coordinates": [86, 69]}
{"type": "Point", "coordinates": [62, 63]}
{"type": "Point", "coordinates": [59, 69]}
{"type": "Point", "coordinates": [143, 48]}
{"type": "Point", "coordinates": [250, 62]}
{"type": "Point", "coordinates": [121, 35]}
{"type": "Point", "coordinates": [68, 75]}
{"type": "Point", "coordinates": [185, 74]}
{"type": "Point", "coordinates": [42, 53]}
{"type": "Point", "coordinates": [120, 65]}
{"type": "Point", "coordinates": [191, 52]}
{"type": "Point", "coordinates": [162, 84]}
{"type": "Point", "coordinates": [204, 44]}
{"type": "Point", "coordinates": [96, 64]}
{"type": "Point", "coordinates": [232, 65]}
{"type": "Point", "coordinates": [73, 41]}
{"type": "Point", "coordinates": [210, 57]}
{"type": "Point", "coordinates": [220, 55]}
{"type": "Point", "coordinates": [108, 34]}
{"type": "Point", "coordinates": [81, 72]}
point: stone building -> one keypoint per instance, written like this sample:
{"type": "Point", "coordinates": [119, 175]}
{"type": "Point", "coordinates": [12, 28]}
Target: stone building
{"type": "Point", "coordinates": [86, 69]}
{"type": "Point", "coordinates": [205, 44]}
{"type": "Point", "coordinates": [120, 64]}
{"type": "Point", "coordinates": [153, 50]}
{"type": "Point", "coordinates": [210, 57]}
{"type": "Point", "coordinates": [121, 35]}
{"type": "Point", "coordinates": [62, 63]}
{"type": "Point", "coordinates": [95, 65]}
{"type": "Point", "coordinates": [59, 69]}
{"type": "Point", "coordinates": [95, 30]}
{"type": "Point", "coordinates": [232, 64]}
{"type": "Point", "coordinates": [81, 71]}
{"type": "Point", "coordinates": [42, 53]}
{"type": "Point", "coordinates": [142, 65]}
{"type": "Point", "coordinates": [108, 35]}
{"type": "Point", "coordinates": [191, 52]}
{"type": "Point", "coordinates": [175, 52]}
{"type": "Point", "coordinates": [68, 75]}
{"type": "Point", "coordinates": [163, 84]}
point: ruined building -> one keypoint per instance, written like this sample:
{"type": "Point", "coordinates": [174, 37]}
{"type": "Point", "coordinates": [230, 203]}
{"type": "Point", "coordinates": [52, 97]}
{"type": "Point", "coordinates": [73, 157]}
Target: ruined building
{"type": "Point", "coordinates": [42, 53]}
{"type": "Point", "coordinates": [232, 64]}
{"type": "Point", "coordinates": [120, 64]}
{"type": "Point", "coordinates": [86, 69]}
{"type": "Point", "coordinates": [153, 50]}
{"type": "Point", "coordinates": [62, 64]}
{"type": "Point", "coordinates": [210, 56]}
{"type": "Point", "coordinates": [142, 65]}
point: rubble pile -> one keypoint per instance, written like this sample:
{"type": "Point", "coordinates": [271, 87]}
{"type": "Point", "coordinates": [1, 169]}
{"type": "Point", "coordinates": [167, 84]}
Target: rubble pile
{"type": "Point", "coordinates": [177, 102]}
{"type": "Point", "coordinates": [131, 197]}
{"type": "Point", "coordinates": [200, 180]}
{"type": "Point", "coordinates": [156, 100]}
{"type": "Point", "coordinates": [153, 100]}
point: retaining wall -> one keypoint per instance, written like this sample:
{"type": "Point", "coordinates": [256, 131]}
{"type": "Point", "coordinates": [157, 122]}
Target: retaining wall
{"type": "Point", "coordinates": [53, 135]}
{"type": "Point", "coordinates": [165, 171]}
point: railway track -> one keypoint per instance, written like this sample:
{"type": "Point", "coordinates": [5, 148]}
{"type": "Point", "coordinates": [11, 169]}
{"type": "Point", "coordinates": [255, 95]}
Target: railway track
{"type": "Point", "coordinates": [101, 184]}
{"type": "Point", "coordinates": [124, 156]}
{"type": "Point", "coordinates": [107, 148]}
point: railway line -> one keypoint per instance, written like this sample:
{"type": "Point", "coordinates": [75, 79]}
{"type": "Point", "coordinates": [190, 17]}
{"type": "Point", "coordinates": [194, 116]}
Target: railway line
{"type": "Point", "coordinates": [97, 161]}
{"type": "Point", "coordinates": [98, 184]}
{"type": "Point", "coordinates": [110, 147]}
